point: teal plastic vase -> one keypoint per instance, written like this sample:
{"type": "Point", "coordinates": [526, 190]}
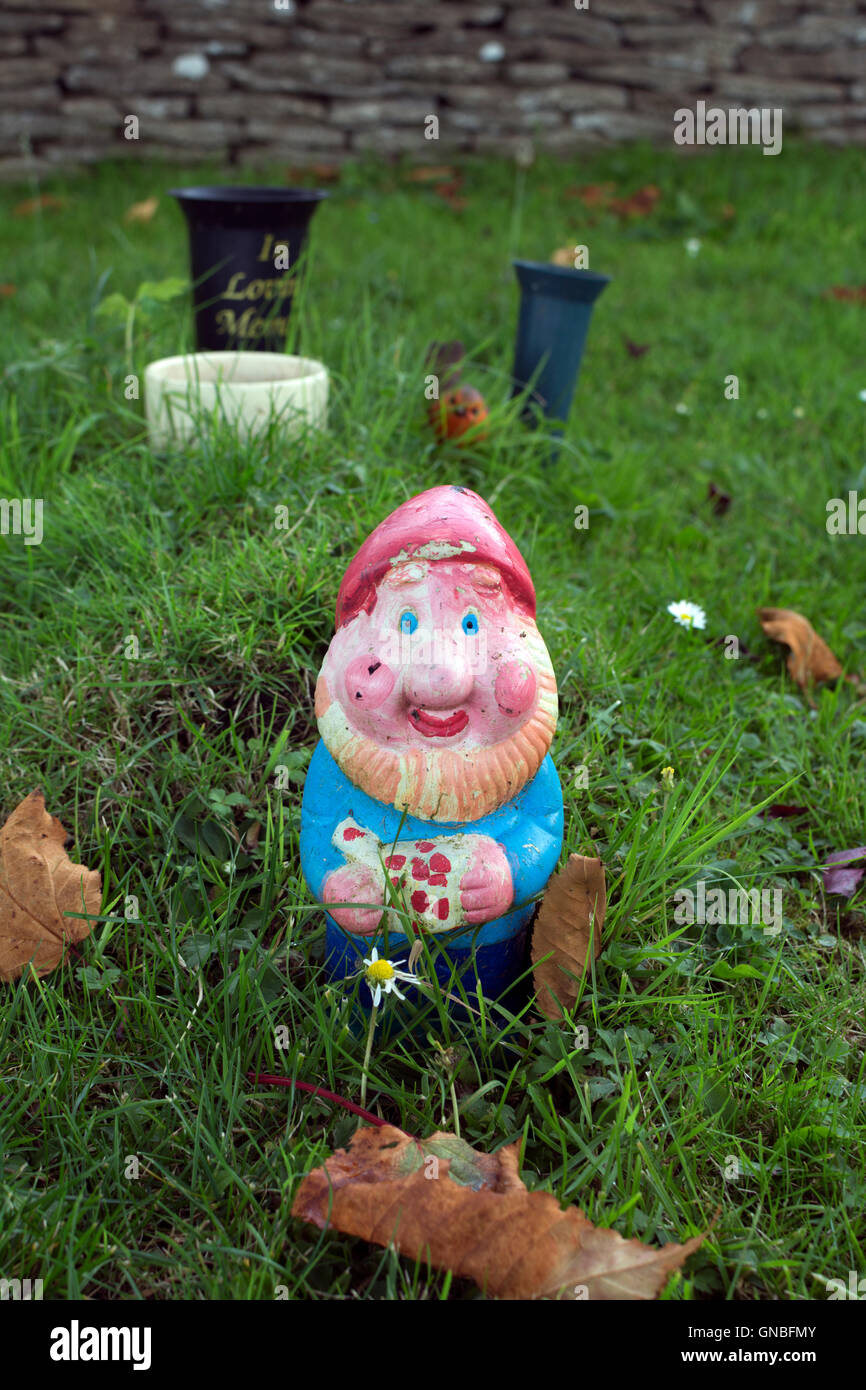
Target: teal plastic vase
{"type": "Point", "coordinates": [555, 309]}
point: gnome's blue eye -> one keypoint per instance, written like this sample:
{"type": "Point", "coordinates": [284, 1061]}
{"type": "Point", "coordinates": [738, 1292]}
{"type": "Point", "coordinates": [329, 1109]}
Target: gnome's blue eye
{"type": "Point", "coordinates": [408, 621]}
{"type": "Point", "coordinates": [470, 624]}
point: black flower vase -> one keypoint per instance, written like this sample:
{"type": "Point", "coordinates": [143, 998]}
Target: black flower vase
{"type": "Point", "coordinates": [555, 309]}
{"type": "Point", "coordinates": [245, 244]}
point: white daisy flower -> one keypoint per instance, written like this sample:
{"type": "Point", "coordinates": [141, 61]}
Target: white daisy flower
{"type": "Point", "coordinates": [687, 614]}
{"type": "Point", "coordinates": [381, 975]}
{"type": "Point", "coordinates": [681, 408]}
{"type": "Point", "coordinates": [762, 413]}
{"type": "Point", "coordinates": [861, 395]}
{"type": "Point", "coordinates": [693, 245]}
{"type": "Point", "coordinates": [798, 412]}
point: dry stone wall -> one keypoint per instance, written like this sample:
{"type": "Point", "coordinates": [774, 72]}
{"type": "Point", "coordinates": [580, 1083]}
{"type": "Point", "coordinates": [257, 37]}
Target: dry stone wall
{"type": "Point", "coordinates": [319, 81]}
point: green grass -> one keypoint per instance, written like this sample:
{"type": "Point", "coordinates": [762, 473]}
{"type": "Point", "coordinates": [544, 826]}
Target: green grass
{"type": "Point", "coordinates": [209, 942]}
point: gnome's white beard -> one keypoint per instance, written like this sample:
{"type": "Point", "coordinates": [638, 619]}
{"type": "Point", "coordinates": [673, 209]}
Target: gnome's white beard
{"type": "Point", "coordinates": [446, 784]}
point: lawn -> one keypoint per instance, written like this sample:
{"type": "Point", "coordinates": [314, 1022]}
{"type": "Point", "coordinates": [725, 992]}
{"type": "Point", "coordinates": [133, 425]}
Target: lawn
{"type": "Point", "coordinates": [138, 1160]}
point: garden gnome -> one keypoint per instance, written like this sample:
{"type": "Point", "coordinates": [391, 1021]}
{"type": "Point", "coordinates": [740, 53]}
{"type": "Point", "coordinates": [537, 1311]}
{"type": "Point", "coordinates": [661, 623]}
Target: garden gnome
{"type": "Point", "coordinates": [431, 803]}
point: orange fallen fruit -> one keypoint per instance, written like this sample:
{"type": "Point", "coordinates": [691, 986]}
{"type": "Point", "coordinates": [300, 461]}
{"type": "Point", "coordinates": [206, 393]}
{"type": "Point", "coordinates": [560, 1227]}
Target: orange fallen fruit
{"type": "Point", "coordinates": [457, 411]}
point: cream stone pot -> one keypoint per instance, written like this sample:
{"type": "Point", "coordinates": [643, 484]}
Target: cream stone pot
{"type": "Point", "coordinates": [244, 392]}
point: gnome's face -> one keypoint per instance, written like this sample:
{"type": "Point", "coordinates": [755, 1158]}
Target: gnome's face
{"type": "Point", "coordinates": [439, 697]}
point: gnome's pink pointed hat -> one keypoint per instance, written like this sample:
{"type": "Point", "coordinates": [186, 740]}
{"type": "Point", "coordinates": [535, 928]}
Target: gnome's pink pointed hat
{"type": "Point", "coordinates": [443, 523]}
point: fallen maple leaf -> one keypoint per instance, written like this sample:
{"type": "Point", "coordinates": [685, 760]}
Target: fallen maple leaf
{"type": "Point", "coordinates": [440, 1200]}
{"type": "Point", "coordinates": [571, 913]}
{"type": "Point", "coordinates": [810, 659]}
{"type": "Point", "coordinates": [39, 204]}
{"type": "Point", "coordinates": [7, 291]}
{"type": "Point", "coordinates": [840, 880]}
{"type": "Point", "coordinates": [39, 888]}
{"type": "Point", "coordinates": [564, 256]}
{"type": "Point", "coordinates": [141, 212]}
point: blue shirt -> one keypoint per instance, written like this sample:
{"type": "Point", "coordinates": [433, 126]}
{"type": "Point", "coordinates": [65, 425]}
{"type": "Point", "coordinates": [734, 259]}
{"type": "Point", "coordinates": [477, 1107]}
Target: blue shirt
{"type": "Point", "coordinates": [529, 828]}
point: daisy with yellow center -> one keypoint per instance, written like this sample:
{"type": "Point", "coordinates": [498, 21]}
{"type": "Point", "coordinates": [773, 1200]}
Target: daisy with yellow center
{"type": "Point", "coordinates": [687, 614]}
{"type": "Point", "coordinates": [381, 976]}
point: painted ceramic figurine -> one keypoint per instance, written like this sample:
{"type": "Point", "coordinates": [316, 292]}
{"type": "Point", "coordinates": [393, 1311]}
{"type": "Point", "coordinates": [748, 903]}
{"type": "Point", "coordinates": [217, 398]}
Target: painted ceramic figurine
{"type": "Point", "coordinates": [436, 705]}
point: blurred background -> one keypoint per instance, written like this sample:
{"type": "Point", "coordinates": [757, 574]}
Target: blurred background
{"type": "Point", "coordinates": [251, 82]}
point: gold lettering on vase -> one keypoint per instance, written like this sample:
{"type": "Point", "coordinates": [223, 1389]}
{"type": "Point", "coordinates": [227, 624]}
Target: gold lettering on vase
{"type": "Point", "coordinates": [271, 290]}
{"type": "Point", "coordinates": [277, 252]}
{"type": "Point", "coordinates": [250, 324]}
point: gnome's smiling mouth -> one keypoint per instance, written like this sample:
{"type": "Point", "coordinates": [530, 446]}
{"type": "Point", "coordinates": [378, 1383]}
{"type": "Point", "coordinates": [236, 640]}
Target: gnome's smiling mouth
{"type": "Point", "coordinates": [431, 727]}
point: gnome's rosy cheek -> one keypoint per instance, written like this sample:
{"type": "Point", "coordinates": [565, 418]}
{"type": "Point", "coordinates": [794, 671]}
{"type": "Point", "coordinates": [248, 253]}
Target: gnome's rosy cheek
{"type": "Point", "coordinates": [515, 688]}
{"type": "Point", "coordinates": [368, 682]}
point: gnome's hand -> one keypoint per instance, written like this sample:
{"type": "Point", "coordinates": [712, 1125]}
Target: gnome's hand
{"type": "Point", "coordinates": [486, 889]}
{"type": "Point", "coordinates": [355, 883]}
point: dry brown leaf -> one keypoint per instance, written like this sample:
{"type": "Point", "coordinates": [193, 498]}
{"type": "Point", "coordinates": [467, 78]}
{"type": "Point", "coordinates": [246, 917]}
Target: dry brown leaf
{"type": "Point", "coordinates": [635, 349]}
{"type": "Point", "coordinates": [141, 212]}
{"type": "Point", "coordinates": [430, 173]}
{"type": "Point", "coordinates": [563, 255]}
{"type": "Point", "coordinates": [571, 911]}
{"type": "Point", "coordinates": [855, 294]}
{"type": "Point", "coordinates": [446, 361]}
{"type": "Point", "coordinates": [638, 204]}
{"type": "Point", "coordinates": [593, 195]}
{"type": "Point", "coordinates": [39, 885]}
{"type": "Point", "coordinates": [298, 174]}
{"type": "Point", "coordinates": [602, 196]}
{"type": "Point", "coordinates": [468, 1211]}
{"type": "Point", "coordinates": [810, 659]}
{"type": "Point", "coordinates": [7, 291]}
{"type": "Point", "coordinates": [326, 173]}
{"type": "Point", "coordinates": [450, 194]}
{"type": "Point", "coordinates": [39, 204]}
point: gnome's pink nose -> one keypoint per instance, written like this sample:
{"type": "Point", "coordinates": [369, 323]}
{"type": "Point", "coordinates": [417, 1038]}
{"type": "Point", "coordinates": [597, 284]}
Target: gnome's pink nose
{"type": "Point", "coordinates": [440, 686]}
